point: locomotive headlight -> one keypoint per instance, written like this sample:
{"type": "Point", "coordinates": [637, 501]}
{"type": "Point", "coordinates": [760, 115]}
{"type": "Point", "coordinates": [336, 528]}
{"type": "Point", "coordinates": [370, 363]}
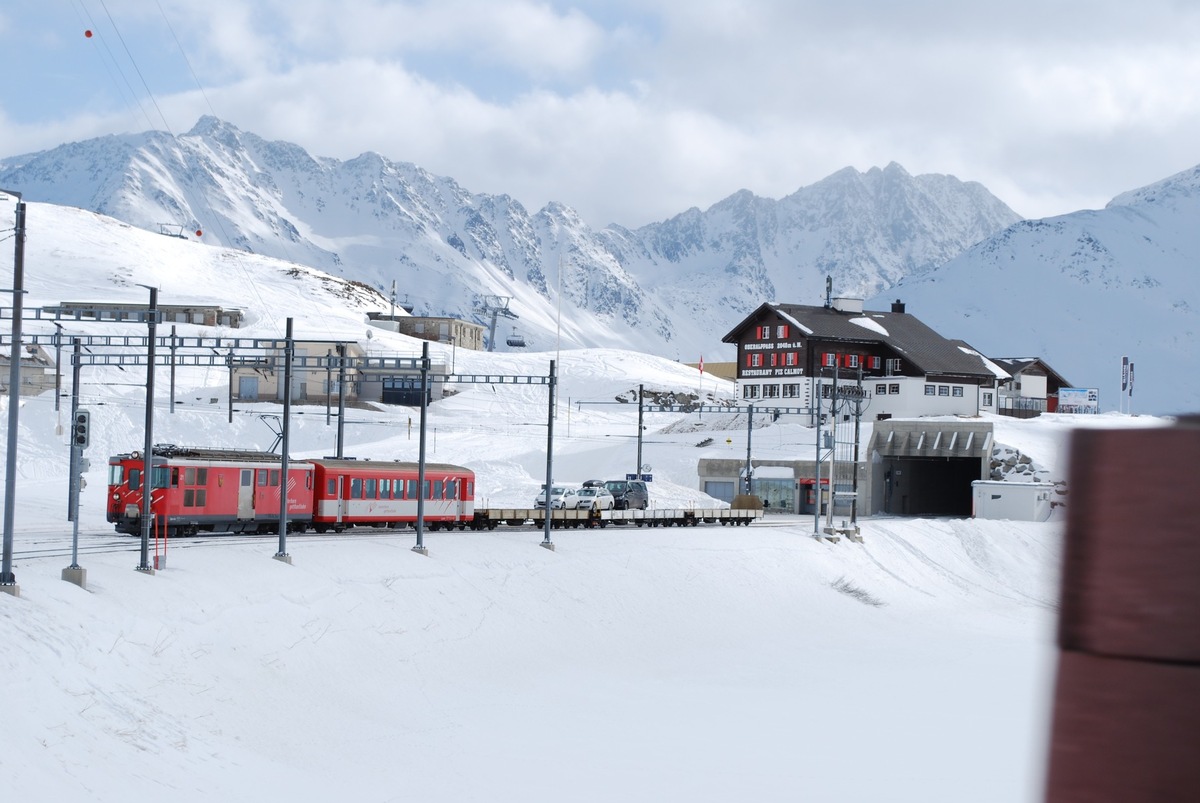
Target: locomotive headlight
{"type": "Point", "coordinates": [116, 497]}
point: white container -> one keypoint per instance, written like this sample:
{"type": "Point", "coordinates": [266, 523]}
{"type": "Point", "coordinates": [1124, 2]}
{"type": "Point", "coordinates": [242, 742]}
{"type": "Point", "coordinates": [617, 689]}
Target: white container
{"type": "Point", "coordinates": [1016, 501]}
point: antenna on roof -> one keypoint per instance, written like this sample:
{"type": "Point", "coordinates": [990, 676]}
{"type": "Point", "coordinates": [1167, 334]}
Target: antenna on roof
{"type": "Point", "coordinates": [828, 292]}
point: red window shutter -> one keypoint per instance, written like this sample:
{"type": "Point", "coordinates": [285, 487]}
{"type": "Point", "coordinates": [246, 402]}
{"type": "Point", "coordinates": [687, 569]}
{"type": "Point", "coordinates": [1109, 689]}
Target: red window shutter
{"type": "Point", "coordinates": [747, 360]}
{"type": "Point", "coordinates": [784, 330]}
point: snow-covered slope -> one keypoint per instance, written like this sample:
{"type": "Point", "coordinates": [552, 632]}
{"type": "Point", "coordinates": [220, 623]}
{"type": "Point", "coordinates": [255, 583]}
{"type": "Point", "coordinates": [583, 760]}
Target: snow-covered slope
{"type": "Point", "coordinates": [1083, 290]}
{"type": "Point", "coordinates": [699, 664]}
{"type": "Point", "coordinates": [664, 289]}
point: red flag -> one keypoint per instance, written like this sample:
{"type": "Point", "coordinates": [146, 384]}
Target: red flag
{"type": "Point", "coordinates": [701, 363]}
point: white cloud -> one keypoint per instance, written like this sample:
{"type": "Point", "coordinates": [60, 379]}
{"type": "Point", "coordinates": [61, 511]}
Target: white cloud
{"type": "Point", "coordinates": [635, 111]}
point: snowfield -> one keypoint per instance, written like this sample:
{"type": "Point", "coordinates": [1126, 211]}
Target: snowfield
{"type": "Point", "coordinates": [699, 664]}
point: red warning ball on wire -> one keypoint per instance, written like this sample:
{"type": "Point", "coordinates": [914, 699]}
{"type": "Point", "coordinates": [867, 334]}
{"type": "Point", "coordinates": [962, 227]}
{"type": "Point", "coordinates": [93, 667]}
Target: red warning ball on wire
{"type": "Point", "coordinates": [199, 233]}
{"type": "Point", "coordinates": [88, 34]}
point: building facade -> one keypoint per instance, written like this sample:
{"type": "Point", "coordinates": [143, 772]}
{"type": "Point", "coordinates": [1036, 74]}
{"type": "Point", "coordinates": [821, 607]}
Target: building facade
{"type": "Point", "coordinates": [791, 355]}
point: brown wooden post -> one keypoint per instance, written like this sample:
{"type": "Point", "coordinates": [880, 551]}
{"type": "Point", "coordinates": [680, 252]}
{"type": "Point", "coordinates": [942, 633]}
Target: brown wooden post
{"type": "Point", "coordinates": [1126, 722]}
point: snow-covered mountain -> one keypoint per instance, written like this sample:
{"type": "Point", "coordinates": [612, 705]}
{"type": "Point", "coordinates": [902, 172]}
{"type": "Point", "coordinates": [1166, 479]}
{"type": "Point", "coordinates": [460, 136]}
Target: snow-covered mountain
{"type": "Point", "coordinates": [1082, 290]}
{"type": "Point", "coordinates": [664, 288]}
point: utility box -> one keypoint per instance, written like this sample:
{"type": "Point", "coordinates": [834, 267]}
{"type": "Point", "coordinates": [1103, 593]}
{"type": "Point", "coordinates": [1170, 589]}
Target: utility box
{"type": "Point", "coordinates": [1015, 501]}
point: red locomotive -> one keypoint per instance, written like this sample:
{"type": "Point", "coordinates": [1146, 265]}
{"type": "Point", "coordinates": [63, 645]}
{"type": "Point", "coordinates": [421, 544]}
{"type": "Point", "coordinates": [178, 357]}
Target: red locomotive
{"type": "Point", "coordinates": [223, 490]}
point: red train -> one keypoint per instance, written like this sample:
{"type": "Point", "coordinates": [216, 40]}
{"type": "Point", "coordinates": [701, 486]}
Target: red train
{"type": "Point", "coordinates": [222, 490]}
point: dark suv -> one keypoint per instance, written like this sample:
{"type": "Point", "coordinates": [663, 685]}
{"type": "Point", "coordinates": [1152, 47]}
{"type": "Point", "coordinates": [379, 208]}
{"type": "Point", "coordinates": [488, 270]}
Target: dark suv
{"type": "Point", "coordinates": [628, 494]}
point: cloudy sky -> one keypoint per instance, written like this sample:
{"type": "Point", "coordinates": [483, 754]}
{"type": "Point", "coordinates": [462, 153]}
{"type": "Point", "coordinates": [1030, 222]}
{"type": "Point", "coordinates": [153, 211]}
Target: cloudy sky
{"type": "Point", "coordinates": [634, 110]}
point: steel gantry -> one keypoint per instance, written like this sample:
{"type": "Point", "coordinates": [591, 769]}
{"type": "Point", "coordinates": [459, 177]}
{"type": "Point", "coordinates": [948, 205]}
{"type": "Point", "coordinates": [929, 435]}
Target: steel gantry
{"type": "Point", "coordinates": [276, 354]}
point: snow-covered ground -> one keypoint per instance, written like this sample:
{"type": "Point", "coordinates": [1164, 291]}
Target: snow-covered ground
{"type": "Point", "coordinates": [698, 664]}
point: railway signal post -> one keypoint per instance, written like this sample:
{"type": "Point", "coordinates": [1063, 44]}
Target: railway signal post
{"type": "Point", "coordinates": [81, 422]}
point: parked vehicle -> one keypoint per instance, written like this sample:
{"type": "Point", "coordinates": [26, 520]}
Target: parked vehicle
{"type": "Point", "coordinates": [559, 494]}
{"type": "Point", "coordinates": [629, 494]}
{"type": "Point", "coordinates": [592, 498]}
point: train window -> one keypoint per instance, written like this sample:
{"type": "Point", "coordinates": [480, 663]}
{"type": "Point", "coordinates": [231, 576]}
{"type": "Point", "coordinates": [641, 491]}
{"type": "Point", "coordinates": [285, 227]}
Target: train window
{"type": "Point", "coordinates": [426, 490]}
{"type": "Point", "coordinates": [451, 489]}
{"type": "Point", "coordinates": [470, 490]}
{"type": "Point", "coordinates": [262, 478]}
{"type": "Point", "coordinates": [385, 489]}
{"type": "Point", "coordinates": [369, 491]}
{"type": "Point", "coordinates": [307, 480]}
{"type": "Point", "coordinates": [189, 476]}
{"type": "Point", "coordinates": [331, 487]}
{"type": "Point", "coordinates": [189, 498]}
{"type": "Point", "coordinates": [175, 477]}
{"type": "Point", "coordinates": [274, 477]}
{"type": "Point", "coordinates": [247, 477]}
{"type": "Point", "coordinates": [412, 490]}
{"type": "Point", "coordinates": [437, 489]}
{"type": "Point", "coordinates": [116, 474]}
{"type": "Point", "coordinates": [135, 479]}
{"type": "Point", "coordinates": [201, 497]}
{"type": "Point", "coordinates": [159, 477]}
{"type": "Point", "coordinates": [202, 476]}
{"type": "Point", "coordinates": [356, 488]}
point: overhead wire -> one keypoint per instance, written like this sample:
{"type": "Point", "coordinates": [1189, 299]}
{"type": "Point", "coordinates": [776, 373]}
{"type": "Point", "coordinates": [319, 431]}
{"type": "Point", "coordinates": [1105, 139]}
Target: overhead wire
{"type": "Point", "coordinates": [215, 219]}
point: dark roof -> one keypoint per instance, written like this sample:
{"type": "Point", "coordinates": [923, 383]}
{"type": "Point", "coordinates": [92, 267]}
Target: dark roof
{"type": "Point", "coordinates": [1016, 365]}
{"type": "Point", "coordinates": [901, 332]}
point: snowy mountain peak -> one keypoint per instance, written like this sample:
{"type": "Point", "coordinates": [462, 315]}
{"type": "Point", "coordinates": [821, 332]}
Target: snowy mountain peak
{"type": "Point", "coordinates": [1183, 186]}
{"type": "Point", "coordinates": [663, 288]}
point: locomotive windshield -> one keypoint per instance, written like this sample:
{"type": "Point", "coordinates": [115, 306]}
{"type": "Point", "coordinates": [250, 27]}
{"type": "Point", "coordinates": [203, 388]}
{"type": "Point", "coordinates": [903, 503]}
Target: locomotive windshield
{"type": "Point", "coordinates": [116, 474]}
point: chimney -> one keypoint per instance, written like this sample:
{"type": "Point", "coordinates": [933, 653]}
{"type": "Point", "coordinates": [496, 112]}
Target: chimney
{"type": "Point", "coordinates": [897, 306]}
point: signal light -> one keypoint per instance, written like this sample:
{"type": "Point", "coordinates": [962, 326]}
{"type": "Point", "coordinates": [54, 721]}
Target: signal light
{"type": "Point", "coordinates": [79, 429]}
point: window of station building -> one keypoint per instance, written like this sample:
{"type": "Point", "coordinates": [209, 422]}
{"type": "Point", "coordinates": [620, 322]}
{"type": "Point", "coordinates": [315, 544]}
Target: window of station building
{"type": "Point", "coordinates": [791, 359]}
{"type": "Point", "coordinates": [987, 399]}
{"type": "Point", "coordinates": [851, 360]}
{"type": "Point", "coordinates": [750, 391]}
{"type": "Point", "coordinates": [770, 391]}
{"type": "Point", "coordinates": [881, 390]}
{"type": "Point", "coordinates": [930, 390]}
{"type": "Point", "coordinates": [781, 331]}
{"type": "Point", "coordinates": [894, 389]}
{"type": "Point", "coordinates": [791, 391]}
{"type": "Point", "coordinates": [943, 390]}
{"type": "Point", "coordinates": [957, 391]}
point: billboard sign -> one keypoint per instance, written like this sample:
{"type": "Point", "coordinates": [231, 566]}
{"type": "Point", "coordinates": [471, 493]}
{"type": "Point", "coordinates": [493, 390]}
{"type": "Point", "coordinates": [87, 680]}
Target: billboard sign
{"type": "Point", "coordinates": [1078, 400]}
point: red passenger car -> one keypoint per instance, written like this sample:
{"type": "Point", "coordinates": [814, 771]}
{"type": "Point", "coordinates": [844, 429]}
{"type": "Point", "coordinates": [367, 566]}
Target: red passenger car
{"type": "Point", "coordinates": [381, 494]}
